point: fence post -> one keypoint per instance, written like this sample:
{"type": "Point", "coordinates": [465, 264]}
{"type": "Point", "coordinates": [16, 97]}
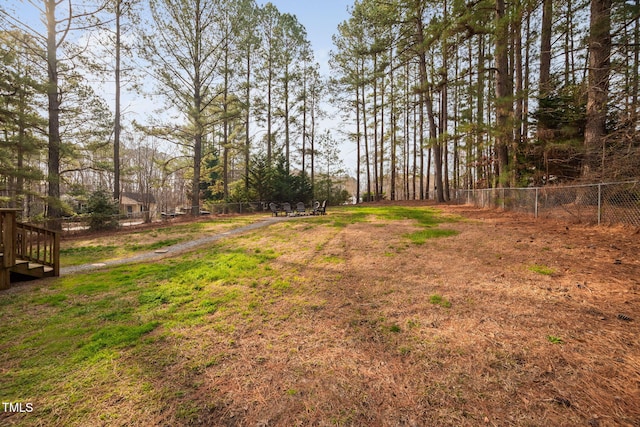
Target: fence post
{"type": "Point", "coordinates": [535, 209]}
{"type": "Point", "coordinates": [599, 203]}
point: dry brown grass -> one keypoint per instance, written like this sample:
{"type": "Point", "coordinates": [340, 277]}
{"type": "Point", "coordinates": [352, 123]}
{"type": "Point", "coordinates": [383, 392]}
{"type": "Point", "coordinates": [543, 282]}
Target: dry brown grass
{"type": "Point", "coordinates": [361, 344]}
{"type": "Point", "coordinates": [351, 336]}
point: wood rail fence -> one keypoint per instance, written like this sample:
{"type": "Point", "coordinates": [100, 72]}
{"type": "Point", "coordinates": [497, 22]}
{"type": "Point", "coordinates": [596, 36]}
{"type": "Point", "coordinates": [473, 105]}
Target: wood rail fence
{"type": "Point", "coordinates": [26, 249]}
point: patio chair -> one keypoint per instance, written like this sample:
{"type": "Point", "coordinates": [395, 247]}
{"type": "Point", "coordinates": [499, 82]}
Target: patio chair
{"type": "Point", "coordinates": [286, 207]}
{"type": "Point", "coordinates": [300, 209]}
{"type": "Point", "coordinates": [322, 208]}
{"type": "Point", "coordinates": [316, 206]}
{"type": "Point", "coordinates": [274, 209]}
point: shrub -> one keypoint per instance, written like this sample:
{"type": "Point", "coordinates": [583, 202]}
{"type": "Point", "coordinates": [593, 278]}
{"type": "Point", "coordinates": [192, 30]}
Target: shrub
{"type": "Point", "coordinates": [103, 211]}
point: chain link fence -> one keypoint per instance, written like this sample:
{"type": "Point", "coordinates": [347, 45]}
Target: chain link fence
{"type": "Point", "coordinates": [234, 208]}
{"type": "Point", "coordinates": [606, 203]}
{"type": "Point", "coordinates": [79, 224]}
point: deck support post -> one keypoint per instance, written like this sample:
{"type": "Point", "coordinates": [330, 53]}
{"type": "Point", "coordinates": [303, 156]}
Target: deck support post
{"type": "Point", "coordinates": [7, 245]}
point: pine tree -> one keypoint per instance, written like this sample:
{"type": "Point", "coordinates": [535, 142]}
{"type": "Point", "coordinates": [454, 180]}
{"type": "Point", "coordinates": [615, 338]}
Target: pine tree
{"type": "Point", "coordinates": [186, 47]}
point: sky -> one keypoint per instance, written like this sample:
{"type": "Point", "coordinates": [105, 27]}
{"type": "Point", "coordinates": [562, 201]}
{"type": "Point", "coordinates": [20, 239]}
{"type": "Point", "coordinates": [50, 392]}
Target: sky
{"type": "Point", "coordinates": [320, 18]}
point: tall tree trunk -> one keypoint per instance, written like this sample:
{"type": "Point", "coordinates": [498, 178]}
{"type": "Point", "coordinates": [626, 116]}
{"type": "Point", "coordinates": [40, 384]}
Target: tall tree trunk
{"type": "Point", "coordinates": [567, 39]}
{"type": "Point", "coordinates": [636, 69]}
{"type": "Point", "coordinates": [481, 175]}
{"type": "Point", "coordinates": [421, 148]}
{"type": "Point", "coordinates": [375, 126]}
{"type": "Point", "coordinates": [570, 45]}
{"type": "Point", "coordinates": [358, 154]}
{"type": "Point", "coordinates": [408, 111]}
{"type": "Point", "coordinates": [17, 201]}
{"type": "Point", "coordinates": [312, 140]}
{"type": "Point", "coordinates": [504, 104]}
{"type": "Point", "coordinates": [456, 112]}
{"type": "Point", "coordinates": [247, 117]}
{"type": "Point", "coordinates": [470, 170]}
{"type": "Point", "coordinates": [437, 149]}
{"type": "Point", "coordinates": [598, 89]}
{"type": "Point", "coordinates": [544, 81]}
{"type": "Point", "coordinates": [304, 120]}
{"type": "Point", "coordinates": [417, 148]}
{"type": "Point", "coordinates": [196, 117]}
{"type": "Point", "coordinates": [117, 125]}
{"type": "Point", "coordinates": [366, 139]}
{"type": "Point", "coordinates": [197, 159]}
{"type": "Point", "coordinates": [442, 140]}
{"type": "Point", "coordinates": [444, 110]}
{"type": "Point", "coordinates": [225, 126]}
{"type": "Point", "coordinates": [287, 136]}
{"type": "Point", "coordinates": [424, 87]}
{"type": "Point", "coordinates": [545, 48]}
{"type": "Point", "coordinates": [392, 166]}
{"type": "Point", "coordinates": [381, 173]}
{"type": "Point", "coordinates": [54, 211]}
{"type": "Point", "coordinates": [525, 91]}
{"type": "Point", "coordinates": [269, 114]}
{"type": "Point", "coordinates": [519, 119]}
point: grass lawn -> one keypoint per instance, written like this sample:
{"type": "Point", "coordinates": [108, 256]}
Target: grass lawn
{"type": "Point", "coordinates": [353, 318]}
{"type": "Point", "coordinates": [86, 250]}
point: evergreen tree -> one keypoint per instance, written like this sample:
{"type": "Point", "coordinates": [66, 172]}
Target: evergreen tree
{"type": "Point", "coordinates": [186, 45]}
{"type": "Point", "coordinates": [21, 125]}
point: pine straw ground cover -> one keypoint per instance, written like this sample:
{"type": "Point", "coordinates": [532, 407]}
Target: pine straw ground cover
{"type": "Point", "coordinates": [363, 317]}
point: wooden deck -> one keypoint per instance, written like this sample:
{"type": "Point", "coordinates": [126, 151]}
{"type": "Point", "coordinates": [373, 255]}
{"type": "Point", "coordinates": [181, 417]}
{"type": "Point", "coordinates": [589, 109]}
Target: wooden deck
{"type": "Point", "coordinates": [26, 249]}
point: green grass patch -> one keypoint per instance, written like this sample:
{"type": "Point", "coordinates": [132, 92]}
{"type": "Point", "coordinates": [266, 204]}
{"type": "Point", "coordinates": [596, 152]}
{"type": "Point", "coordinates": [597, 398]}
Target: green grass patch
{"type": "Point", "coordinates": [53, 300]}
{"type": "Point", "coordinates": [424, 216]}
{"type": "Point", "coordinates": [79, 321]}
{"type": "Point", "coordinates": [395, 328]}
{"type": "Point", "coordinates": [86, 254]}
{"type": "Point", "coordinates": [153, 246]}
{"type": "Point", "coordinates": [554, 339]}
{"type": "Point", "coordinates": [212, 305]}
{"type": "Point", "coordinates": [333, 259]}
{"type": "Point", "coordinates": [542, 269]}
{"type": "Point", "coordinates": [420, 237]}
{"type": "Point", "coordinates": [110, 337]}
{"type": "Point", "coordinates": [436, 299]}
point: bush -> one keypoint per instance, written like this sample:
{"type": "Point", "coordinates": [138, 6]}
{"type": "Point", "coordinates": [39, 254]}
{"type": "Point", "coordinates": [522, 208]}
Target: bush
{"type": "Point", "coordinates": [327, 189]}
{"type": "Point", "coordinates": [103, 211]}
{"type": "Point", "coordinates": [272, 182]}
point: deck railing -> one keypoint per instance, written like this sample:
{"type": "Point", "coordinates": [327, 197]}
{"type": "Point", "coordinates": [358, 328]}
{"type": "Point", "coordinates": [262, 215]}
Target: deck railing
{"type": "Point", "coordinates": [38, 245]}
{"type": "Point", "coordinates": [26, 242]}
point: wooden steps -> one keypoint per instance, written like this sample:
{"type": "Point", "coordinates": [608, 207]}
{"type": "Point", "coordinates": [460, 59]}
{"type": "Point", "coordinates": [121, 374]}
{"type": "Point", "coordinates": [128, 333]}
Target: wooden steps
{"type": "Point", "coordinates": [32, 269]}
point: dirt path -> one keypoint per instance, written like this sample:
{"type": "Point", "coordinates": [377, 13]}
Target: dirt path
{"type": "Point", "coordinates": [172, 250]}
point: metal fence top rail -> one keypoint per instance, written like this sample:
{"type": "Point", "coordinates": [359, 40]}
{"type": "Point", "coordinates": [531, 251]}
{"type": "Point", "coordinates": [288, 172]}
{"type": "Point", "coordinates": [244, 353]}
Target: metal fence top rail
{"type": "Point", "coordinates": [544, 187]}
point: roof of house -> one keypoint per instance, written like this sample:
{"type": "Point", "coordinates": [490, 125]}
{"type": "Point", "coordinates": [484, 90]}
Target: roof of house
{"type": "Point", "coordinates": [139, 197]}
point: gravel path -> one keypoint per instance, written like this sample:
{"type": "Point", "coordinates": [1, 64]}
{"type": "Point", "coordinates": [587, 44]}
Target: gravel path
{"type": "Point", "coordinates": [172, 250]}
